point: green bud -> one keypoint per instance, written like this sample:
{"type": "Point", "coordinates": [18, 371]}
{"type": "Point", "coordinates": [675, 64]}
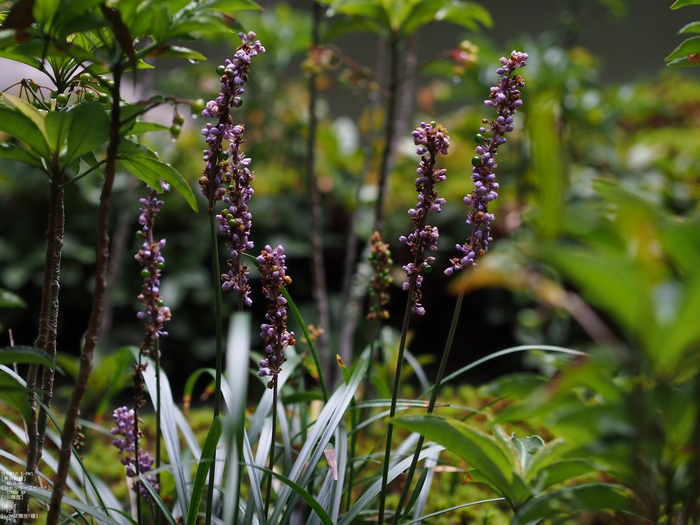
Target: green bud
{"type": "Point", "coordinates": [223, 155]}
{"type": "Point", "coordinates": [61, 99]}
{"type": "Point", "coordinates": [178, 119]}
{"type": "Point", "coordinates": [232, 222]}
{"type": "Point", "coordinates": [476, 161]}
{"type": "Point", "coordinates": [220, 70]}
{"type": "Point", "coordinates": [198, 105]}
{"type": "Point", "coordinates": [427, 268]}
{"type": "Point", "coordinates": [479, 138]}
{"type": "Point", "coordinates": [145, 273]}
{"type": "Point", "coordinates": [160, 266]}
{"type": "Point", "coordinates": [89, 95]}
{"type": "Point", "coordinates": [85, 78]}
{"type": "Point", "coordinates": [103, 98]}
{"type": "Point", "coordinates": [237, 102]}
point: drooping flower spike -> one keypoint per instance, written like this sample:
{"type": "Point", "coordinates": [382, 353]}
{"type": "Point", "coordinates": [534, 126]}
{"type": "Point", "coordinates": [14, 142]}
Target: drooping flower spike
{"type": "Point", "coordinates": [151, 260]}
{"type": "Point", "coordinates": [432, 140]}
{"type": "Point", "coordinates": [505, 97]}
{"type": "Point", "coordinates": [273, 272]}
{"type": "Point", "coordinates": [125, 420]}
{"type": "Point", "coordinates": [227, 175]}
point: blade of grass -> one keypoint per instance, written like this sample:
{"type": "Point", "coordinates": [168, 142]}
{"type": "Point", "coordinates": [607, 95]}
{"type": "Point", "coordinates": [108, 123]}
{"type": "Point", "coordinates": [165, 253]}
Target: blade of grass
{"type": "Point", "coordinates": [155, 497]}
{"type": "Point", "coordinates": [169, 430]}
{"type": "Point", "coordinates": [205, 461]}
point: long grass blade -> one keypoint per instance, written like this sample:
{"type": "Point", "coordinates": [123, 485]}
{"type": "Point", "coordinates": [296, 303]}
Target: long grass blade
{"type": "Point", "coordinates": [255, 481]}
{"type": "Point", "coordinates": [205, 461]}
{"type": "Point", "coordinates": [374, 490]}
{"type": "Point", "coordinates": [157, 500]}
{"type": "Point", "coordinates": [457, 507]}
{"type": "Point", "coordinates": [170, 434]}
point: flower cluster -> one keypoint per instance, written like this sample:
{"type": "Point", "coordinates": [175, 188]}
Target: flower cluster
{"type": "Point", "coordinates": [274, 276]}
{"type": "Point", "coordinates": [236, 220]}
{"type": "Point", "coordinates": [152, 262]}
{"type": "Point", "coordinates": [234, 74]}
{"type": "Point", "coordinates": [432, 140]}
{"type": "Point", "coordinates": [380, 261]}
{"type": "Point", "coordinates": [125, 420]}
{"type": "Point", "coordinates": [505, 97]}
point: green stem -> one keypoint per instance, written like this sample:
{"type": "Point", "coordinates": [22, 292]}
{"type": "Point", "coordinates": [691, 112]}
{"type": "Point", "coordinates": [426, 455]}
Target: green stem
{"type": "Point", "coordinates": [395, 394]}
{"type": "Point", "coordinates": [431, 405]}
{"type": "Point", "coordinates": [158, 431]}
{"type": "Point", "coordinates": [268, 492]}
{"type": "Point", "coordinates": [219, 351]}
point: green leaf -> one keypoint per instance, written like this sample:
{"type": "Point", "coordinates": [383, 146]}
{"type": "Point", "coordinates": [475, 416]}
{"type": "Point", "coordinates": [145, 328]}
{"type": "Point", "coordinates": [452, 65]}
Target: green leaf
{"type": "Point", "coordinates": [15, 395]}
{"type": "Point", "coordinates": [45, 10]}
{"type": "Point", "coordinates": [164, 510]}
{"type": "Point", "coordinates": [525, 449]}
{"type": "Point", "coordinates": [548, 163]}
{"type": "Point", "coordinates": [89, 129]}
{"type": "Point", "coordinates": [145, 127]}
{"type": "Point", "coordinates": [683, 3]}
{"type": "Point", "coordinates": [343, 25]}
{"type": "Point", "coordinates": [370, 9]}
{"type": "Point", "coordinates": [231, 6]}
{"type": "Point", "coordinates": [465, 14]}
{"type": "Point", "coordinates": [29, 129]}
{"type": "Point", "coordinates": [25, 355]}
{"type": "Point", "coordinates": [12, 152]}
{"type": "Point", "coordinates": [516, 385]}
{"type": "Point", "coordinates": [57, 125]}
{"type": "Point", "coordinates": [690, 46]}
{"type": "Point", "coordinates": [7, 298]}
{"type": "Point", "coordinates": [693, 27]}
{"type": "Point", "coordinates": [561, 471]}
{"type": "Point", "coordinates": [479, 450]}
{"type": "Point", "coordinates": [151, 171]}
{"type": "Point", "coordinates": [205, 462]}
{"type": "Point", "coordinates": [573, 500]}
{"type": "Point", "coordinates": [175, 52]}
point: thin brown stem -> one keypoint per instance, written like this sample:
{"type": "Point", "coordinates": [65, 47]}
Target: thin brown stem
{"type": "Point", "coordinates": [93, 328]}
{"type": "Point", "coordinates": [48, 328]}
{"type": "Point", "coordinates": [316, 233]}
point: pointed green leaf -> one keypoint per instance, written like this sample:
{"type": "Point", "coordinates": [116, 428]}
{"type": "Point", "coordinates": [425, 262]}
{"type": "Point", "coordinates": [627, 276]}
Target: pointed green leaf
{"type": "Point", "coordinates": [479, 450]}
{"type": "Point", "coordinates": [231, 6]}
{"type": "Point", "coordinates": [574, 500]}
{"type": "Point", "coordinates": [689, 47]}
{"type": "Point", "coordinates": [45, 11]}
{"type": "Point", "coordinates": [693, 27]}
{"type": "Point", "coordinates": [203, 469]}
{"type": "Point", "coordinates": [565, 470]}
{"type": "Point", "coordinates": [7, 298]}
{"type": "Point", "coordinates": [465, 14]}
{"type": "Point", "coordinates": [57, 125]}
{"type": "Point", "coordinates": [145, 127]}
{"type": "Point", "coordinates": [25, 355]}
{"type": "Point", "coordinates": [176, 52]}
{"type": "Point", "coordinates": [14, 395]}
{"type": "Point", "coordinates": [525, 448]}
{"type": "Point", "coordinates": [152, 170]}
{"type": "Point", "coordinates": [12, 152]}
{"type": "Point", "coordinates": [89, 129]}
{"type": "Point", "coordinates": [370, 9]}
{"type": "Point", "coordinates": [683, 3]}
{"type": "Point", "coordinates": [26, 124]}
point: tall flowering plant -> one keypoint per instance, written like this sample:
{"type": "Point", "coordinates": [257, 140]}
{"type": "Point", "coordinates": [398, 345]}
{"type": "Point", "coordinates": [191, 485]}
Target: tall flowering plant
{"type": "Point", "coordinates": [505, 97]}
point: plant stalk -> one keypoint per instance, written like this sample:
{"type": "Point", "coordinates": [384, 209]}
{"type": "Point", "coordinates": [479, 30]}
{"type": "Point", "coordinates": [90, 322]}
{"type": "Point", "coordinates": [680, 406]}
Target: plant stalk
{"type": "Point", "coordinates": [93, 328]}
{"type": "Point", "coordinates": [431, 406]}
{"type": "Point", "coordinates": [268, 492]}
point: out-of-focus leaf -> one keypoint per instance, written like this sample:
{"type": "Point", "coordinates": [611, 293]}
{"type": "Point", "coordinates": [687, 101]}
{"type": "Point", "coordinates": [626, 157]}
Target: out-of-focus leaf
{"type": "Point", "coordinates": [25, 355]}
{"type": "Point", "coordinates": [7, 298]}
{"type": "Point", "coordinates": [689, 47]}
{"type": "Point", "coordinates": [466, 14]}
{"type": "Point", "coordinates": [573, 500]}
{"type": "Point", "coordinates": [682, 3]}
{"type": "Point", "coordinates": [693, 27]}
{"type": "Point", "coordinates": [57, 125]}
{"type": "Point", "coordinates": [231, 6]}
{"type": "Point", "coordinates": [479, 450]}
{"type": "Point", "coordinates": [121, 32]}
{"type": "Point", "coordinates": [369, 9]}
{"type": "Point", "coordinates": [343, 25]}
{"type": "Point", "coordinates": [561, 471]}
{"type": "Point", "coordinates": [21, 15]}
{"type": "Point", "coordinates": [145, 127]}
{"type": "Point", "coordinates": [176, 52]}
{"type": "Point", "coordinates": [608, 280]}
{"type": "Point", "coordinates": [15, 395]}
{"type": "Point", "coordinates": [516, 385]}
{"type": "Point", "coordinates": [525, 449]}
{"type": "Point", "coordinates": [12, 152]}
{"type": "Point", "coordinates": [205, 463]}
{"type": "Point", "coordinates": [548, 165]}
{"type": "Point", "coordinates": [88, 130]}
{"type": "Point", "coordinates": [32, 114]}
{"type": "Point", "coordinates": [691, 60]}
{"type": "Point", "coordinates": [45, 11]}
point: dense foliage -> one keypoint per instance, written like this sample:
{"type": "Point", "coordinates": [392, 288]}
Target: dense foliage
{"type": "Point", "coordinates": [553, 218]}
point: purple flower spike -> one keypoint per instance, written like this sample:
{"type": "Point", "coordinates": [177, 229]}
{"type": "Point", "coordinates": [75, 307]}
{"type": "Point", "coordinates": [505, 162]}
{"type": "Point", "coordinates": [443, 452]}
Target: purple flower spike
{"type": "Point", "coordinates": [505, 97]}
{"type": "Point", "coordinates": [432, 140]}
{"type": "Point", "coordinates": [126, 427]}
{"type": "Point", "coordinates": [274, 276]}
{"type": "Point", "coordinates": [234, 74]}
{"type": "Point", "coordinates": [155, 313]}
